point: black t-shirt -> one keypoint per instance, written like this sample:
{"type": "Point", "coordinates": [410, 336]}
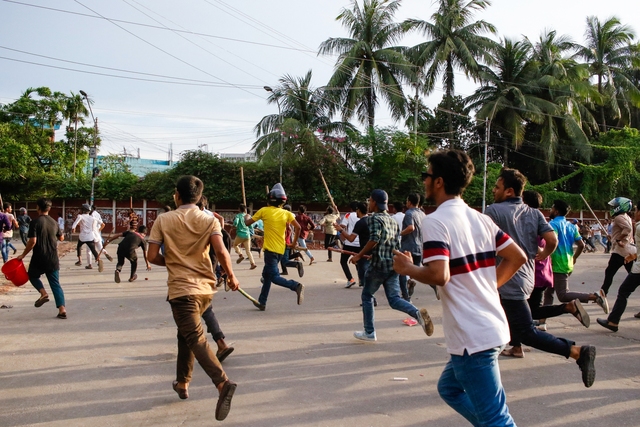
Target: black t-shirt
{"type": "Point", "coordinates": [362, 230]}
{"type": "Point", "coordinates": [45, 252]}
{"type": "Point", "coordinates": [130, 243]}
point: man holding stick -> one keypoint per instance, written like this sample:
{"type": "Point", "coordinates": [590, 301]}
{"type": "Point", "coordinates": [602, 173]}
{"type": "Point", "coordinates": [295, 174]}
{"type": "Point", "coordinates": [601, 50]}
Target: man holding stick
{"type": "Point", "coordinates": [275, 221]}
{"type": "Point", "coordinates": [187, 234]}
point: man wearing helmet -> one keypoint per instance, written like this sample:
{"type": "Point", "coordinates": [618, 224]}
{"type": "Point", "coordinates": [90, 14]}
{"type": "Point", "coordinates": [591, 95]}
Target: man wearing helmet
{"type": "Point", "coordinates": [621, 238]}
{"type": "Point", "coordinates": [275, 221]}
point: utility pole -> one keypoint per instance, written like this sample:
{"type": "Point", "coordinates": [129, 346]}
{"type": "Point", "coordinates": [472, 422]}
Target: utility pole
{"type": "Point", "coordinates": [93, 151]}
{"type": "Point", "coordinates": [487, 130]}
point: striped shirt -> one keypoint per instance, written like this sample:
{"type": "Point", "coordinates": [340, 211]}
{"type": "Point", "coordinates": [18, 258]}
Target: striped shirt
{"type": "Point", "coordinates": [472, 317]}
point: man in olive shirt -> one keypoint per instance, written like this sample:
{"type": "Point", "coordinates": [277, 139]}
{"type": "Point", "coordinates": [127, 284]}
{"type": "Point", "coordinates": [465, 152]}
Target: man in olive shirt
{"type": "Point", "coordinates": [186, 234]}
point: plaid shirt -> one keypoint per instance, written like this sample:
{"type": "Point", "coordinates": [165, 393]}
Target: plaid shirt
{"type": "Point", "coordinates": [385, 232]}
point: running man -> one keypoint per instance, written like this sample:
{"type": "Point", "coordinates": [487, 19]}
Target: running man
{"type": "Point", "coordinates": [306, 225]}
{"type": "Point", "coordinates": [131, 241]}
{"type": "Point", "coordinates": [275, 221]}
{"type": "Point", "coordinates": [187, 233]}
{"type": "Point", "coordinates": [460, 247]}
{"type": "Point", "coordinates": [243, 236]}
{"type": "Point", "coordinates": [621, 239]}
{"type": "Point", "coordinates": [86, 237]}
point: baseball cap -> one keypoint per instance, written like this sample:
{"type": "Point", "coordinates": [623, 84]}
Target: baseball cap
{"type": "Point", "coordinates": [86, 207]}
{"type": "Point", "coordinates": [381, 198]}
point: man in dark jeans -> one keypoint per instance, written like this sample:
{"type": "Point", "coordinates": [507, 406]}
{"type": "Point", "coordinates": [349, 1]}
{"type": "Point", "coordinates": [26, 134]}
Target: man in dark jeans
{"type": "Point", "coordinates": [187, 234]}
{"type": "Point", "coordinates": [23, 224]}
{"type": "Point", "coordinates": [43, 239]}
{"type": "Point", "coordinates": [524, 224]}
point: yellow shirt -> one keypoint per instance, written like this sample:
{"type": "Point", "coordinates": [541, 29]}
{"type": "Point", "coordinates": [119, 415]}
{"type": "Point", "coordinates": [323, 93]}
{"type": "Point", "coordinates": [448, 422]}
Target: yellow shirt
{"type": "Point", "coordinates": [275, 223]}
{"type": "Point", "coordinates": [185, 233]}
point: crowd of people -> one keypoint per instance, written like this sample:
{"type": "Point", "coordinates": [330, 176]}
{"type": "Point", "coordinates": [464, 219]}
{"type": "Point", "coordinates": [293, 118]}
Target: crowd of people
{"type": "Point", "coordinates": [507, 265]}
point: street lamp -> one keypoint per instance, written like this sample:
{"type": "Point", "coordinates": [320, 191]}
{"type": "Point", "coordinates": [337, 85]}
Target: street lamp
{"type": "Point", "coordinates": [93, 152]}
{"type": "Point", "coordinates": [268, 89]}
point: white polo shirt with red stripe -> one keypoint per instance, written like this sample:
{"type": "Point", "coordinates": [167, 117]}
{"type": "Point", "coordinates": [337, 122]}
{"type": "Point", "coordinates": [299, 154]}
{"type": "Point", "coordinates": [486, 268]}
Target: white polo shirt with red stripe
{"type": "Point", "coordinates": [472, 319]}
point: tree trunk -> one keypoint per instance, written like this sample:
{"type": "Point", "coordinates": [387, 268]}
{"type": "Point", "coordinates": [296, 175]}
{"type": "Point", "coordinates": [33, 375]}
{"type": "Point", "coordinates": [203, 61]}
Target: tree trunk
{"type": "Point", "coordinates": [603, 123]}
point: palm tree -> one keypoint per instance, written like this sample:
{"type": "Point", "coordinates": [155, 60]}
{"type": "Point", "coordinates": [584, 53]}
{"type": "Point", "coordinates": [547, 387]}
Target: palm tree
{"type": "Point", "coordinates": [565, 83]}
{"type": "Point", "coordinates": [505, 96]}
{"type": "Point", "coordinates": [455, 41]}
{"type": "Point", "coordinates": [368, 66]}
{"type": "Point", "coordinates": [612, 58]}
{"type": "Point", "coordinates": [303, 113]}
{"type": "Point", "coordinates": [75, 111]}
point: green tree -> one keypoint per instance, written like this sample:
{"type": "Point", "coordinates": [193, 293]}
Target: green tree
{"type": "Point", "coordinates": [612, 58]}
{"type": "Point", "coordinates": [369, 67]}
{"type": "Point", "coordinates": [455, 40]}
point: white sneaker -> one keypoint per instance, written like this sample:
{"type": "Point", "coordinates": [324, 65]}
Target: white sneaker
{"type": "Point", "coordinates": [601, 300]}
{"type": "Point", "coordinates": [362, 335]}
{"type": "Point", "coordinates": [542, 327]}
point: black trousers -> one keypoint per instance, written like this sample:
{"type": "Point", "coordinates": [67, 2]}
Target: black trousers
{"type": "Point", "coordinates": [133, 259]}
{"type": "Point", "coordinates": [523, 331]}
{"type": "Point", "coordinates": [91, 245]}
{"type": "Point", "coordinates": [213, 327]}
{"type": "Point", "coordinates": [539, 311]}
{"type": "Point", "coordinates": [344, 260]}
{"type": "Point", "coordinates": [627, 287]}
{"type": "Point", "coordinates": [615, 262]}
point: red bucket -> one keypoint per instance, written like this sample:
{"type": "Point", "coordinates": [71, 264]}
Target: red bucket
{"type": "Point", "coordinates": [15, 272]}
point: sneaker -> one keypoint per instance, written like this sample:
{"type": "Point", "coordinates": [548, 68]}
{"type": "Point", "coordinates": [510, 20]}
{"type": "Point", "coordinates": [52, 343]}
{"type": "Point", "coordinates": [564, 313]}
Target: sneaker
{"type": "Point", "coordinates": [300, 293]}
{"type": "Point", "coordinates": [240, 258]}
{"type": "Point", "coordinates": [363, 336]}
{"type": "Point", "coordinates": [14, 251]}
{"type": "Point", "coordinates": [410, 321]}
{"type": "Point", "coordinates": [132, 278]}
{"type": "Point", "coordinates": [117, 276]}
{"type": "Point", "coordinates": [109, 257]}
{"type": "Point", "coordinates": [411, 285]}
{"type": "Point", "coordinates": [586, 362]}
{"type": "Point", "coordinates": [300, 269]}
{"type": "Point", "coordinates": [425, 321]}
{"type": "Point", "coordinates": [350, 283]}
{"type": "Point", "coordinates": [601, 300]}
{"type": "Point", "coordinates": [542, 327]}
{"type": "Point", "coordinates": [329, 260]}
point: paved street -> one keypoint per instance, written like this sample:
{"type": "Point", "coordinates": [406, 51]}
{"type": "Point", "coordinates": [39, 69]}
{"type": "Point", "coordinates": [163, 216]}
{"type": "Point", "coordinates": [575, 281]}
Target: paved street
{"type": "Point", "coordinates": [112, 362]}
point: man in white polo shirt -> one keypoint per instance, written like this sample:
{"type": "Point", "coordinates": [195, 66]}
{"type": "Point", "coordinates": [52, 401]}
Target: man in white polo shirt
{"type": "Point", "coordinates": [459, 255]}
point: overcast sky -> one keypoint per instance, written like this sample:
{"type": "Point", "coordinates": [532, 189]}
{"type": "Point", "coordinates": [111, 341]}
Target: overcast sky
{"type": "Point", "coordinates": [214, 95]}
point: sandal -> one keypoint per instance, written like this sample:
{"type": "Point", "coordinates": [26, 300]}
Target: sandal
{"type": "Point", "coordinates": [222, 354]}
{"type": "Point", "coordinates": [62, 315]}
{"type": "Point", "coordinates": [41, 300]}
{"type": "Point", "coordinates": [637, 315]}
{"type": "Point", "coordinates": [581, 314]}
{"type": "Point", "coordinates": [511, 353]}
{"type": "Point", "coordinates": [183, 393]}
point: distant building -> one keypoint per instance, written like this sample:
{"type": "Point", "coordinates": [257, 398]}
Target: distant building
{"type": "Point", "coordinates": [239, 157]}
{"type": "Point", "coordinates": [141, 167]}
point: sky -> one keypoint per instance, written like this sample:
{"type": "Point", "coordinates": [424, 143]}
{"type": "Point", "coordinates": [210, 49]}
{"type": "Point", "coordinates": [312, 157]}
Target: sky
{"type": "Point", "coordinates": [164, 74]}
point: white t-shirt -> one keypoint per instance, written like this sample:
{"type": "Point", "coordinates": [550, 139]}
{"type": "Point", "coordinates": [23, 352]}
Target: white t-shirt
{"type": "Point", "coordinates": [86, 222]}
{"type": "Point", "coordinates": [97, 235]}
{"type": "Point", "coordinates": [597, 230]}
{"type": "Point", "coordinates": [472, 317]}
{"type": "Point", "coordinates": [61, 223]}
{"type": "Point", "coordinates": [399, 217]}
{"type": "Point", "coordinates": [349, 221]}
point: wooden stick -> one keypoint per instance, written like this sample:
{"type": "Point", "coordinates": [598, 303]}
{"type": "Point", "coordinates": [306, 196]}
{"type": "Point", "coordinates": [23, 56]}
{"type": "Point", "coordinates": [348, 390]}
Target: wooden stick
{"type": "Point", "coordinates": [327, 188]}
{"type": "Point", "coordinates": [342, 251]}
{"type": "Point", "coordinates": [244, 197]}
{"type": "Point", "coordinates": [593, 213]}
{"type": "Point", "coordinates": [249, 297]}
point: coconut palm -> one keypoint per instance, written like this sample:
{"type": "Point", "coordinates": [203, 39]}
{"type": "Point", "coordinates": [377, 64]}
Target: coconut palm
{"type": "Point", "coordinates": [75, 112]}
{"type": "Point", "coordinates": [612, 57]}
{"type": "Point", "coordinates": [455, 41]}
{"type": "Point", "coordinates": [369, 67]}
{"type": "Point", "coordinates": [505, 96]}
{"type": "Point", "coordinates": [302, 122]}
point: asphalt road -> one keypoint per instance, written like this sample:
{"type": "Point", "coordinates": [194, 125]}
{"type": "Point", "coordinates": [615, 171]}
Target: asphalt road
{"type": "Point", "coordinates": [111, 363]}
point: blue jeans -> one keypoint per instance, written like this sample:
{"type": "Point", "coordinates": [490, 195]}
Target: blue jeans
{"type": "Point", "coordinates": [54, 282]}
{"type": "Point", "coordinates": [471, 385]}
{"type": "Point", "coordinates": [303, 244]}
{"type": "Point", "coordinates": [362, 266]}
{"type": "Point", "coordinates": [271, 274]}
{"type": "Point", "coordinates": [417, 260]}
{"type": "Point", "coordinates": [5, 249]}
{"type": "Point", "coordinates": [389, 281]}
